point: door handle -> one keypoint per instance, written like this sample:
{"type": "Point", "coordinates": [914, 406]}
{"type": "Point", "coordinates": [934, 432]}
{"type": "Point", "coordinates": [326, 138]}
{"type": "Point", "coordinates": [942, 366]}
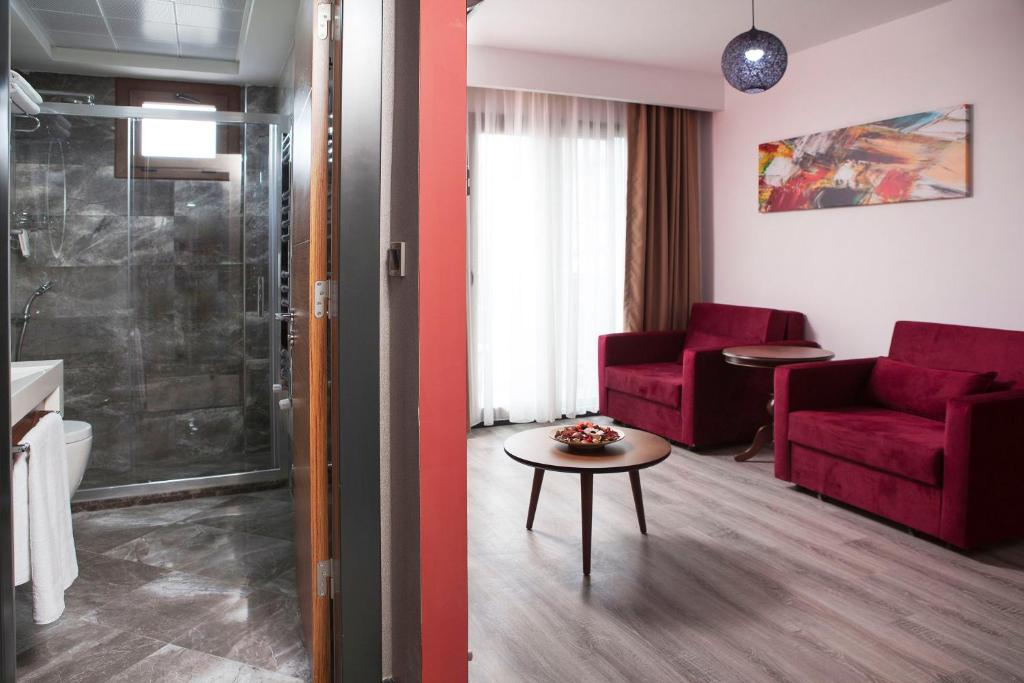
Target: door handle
{"type": "Point", "coordinates": [260, 303]}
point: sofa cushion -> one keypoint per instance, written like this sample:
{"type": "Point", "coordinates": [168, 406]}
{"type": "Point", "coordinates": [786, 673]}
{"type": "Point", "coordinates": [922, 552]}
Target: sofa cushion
{"type": "Point", "coordinates": [659, 382]}
{"type": "Point", "coordinates": [892, 441]}
{"type": "Point", "coordinates": [922, 391]}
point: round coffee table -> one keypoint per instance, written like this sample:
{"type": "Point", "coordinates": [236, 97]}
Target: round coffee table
{"type": "Point", "coordinates": [535, 448]}
{"type": "Point", "coordinates": [770, 357]}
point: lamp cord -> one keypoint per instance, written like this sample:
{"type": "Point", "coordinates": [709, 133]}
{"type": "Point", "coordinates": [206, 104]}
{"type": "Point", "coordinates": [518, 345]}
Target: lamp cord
{"type": "Point", "coordinates": [752, 22]}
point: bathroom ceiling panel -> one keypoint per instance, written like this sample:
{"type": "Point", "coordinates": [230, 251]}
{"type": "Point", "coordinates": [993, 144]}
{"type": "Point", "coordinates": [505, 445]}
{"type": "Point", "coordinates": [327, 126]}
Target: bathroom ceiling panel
{"type": "Point", "coordinates": [143, 30]}
{"type": "Point", "coordinates": [140, 10]}
{"type": "Point", "coordinates": [75, 6]}
{"type": "Point", "coordinates": [81, 41]}
{"type": "Point", "coordinates": [74, 23]}
{"type": "Point", "coordinates": [190, 35]}
{"type": "Point", "coordinates": [207, 17]}
{"type": "Point", "coordinates": [218, 41]}
{"type": "Point", "coordinates": [215, 4]}
{"type": "Point", "coordinates": [205, 29]}
{"type": "Point", "coordinates": [149, 47]}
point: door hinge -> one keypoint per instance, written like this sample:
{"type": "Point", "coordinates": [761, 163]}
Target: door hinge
{"type": "Point", "coordinates": [321, 296]}
{"type": "Point", "coordinates": [324, 578]}
{"type": "Point", "coordinates": [323, 21]}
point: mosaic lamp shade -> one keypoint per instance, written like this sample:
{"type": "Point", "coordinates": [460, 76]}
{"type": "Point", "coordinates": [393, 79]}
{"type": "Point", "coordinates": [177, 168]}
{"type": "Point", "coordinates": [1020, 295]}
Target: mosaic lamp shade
{"type": "Point", "coordinates": [754, 61]}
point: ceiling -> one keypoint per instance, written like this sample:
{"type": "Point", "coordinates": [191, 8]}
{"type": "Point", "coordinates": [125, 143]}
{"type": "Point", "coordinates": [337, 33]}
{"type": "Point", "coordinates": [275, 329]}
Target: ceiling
{"type": "Point", "coordinates": [246, 41]}
{"type": "Point", "coordinates": [680, 34]}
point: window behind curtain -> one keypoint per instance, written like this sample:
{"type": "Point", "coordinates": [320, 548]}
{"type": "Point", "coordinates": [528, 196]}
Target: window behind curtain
{"type": "Point", "coordinates": [547, 223]}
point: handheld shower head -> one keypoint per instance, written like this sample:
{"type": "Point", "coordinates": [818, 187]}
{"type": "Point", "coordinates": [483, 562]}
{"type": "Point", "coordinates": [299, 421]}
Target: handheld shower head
{"type": "Point", "coordinates": [45, 287]}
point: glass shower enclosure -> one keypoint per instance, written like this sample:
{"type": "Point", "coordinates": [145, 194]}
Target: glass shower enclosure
{"type": "Point", "coordinates": [163, 254]}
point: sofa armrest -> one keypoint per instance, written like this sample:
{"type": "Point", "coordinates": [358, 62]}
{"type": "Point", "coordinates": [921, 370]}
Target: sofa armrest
{"type": "Point", "coordinates": [627, 348]}
{"type": "Point", "coordinates": [721, 401]}
{"type": "Point", "coordinates": [814, 386]}
{"type": "Point", "coordinates": [983, 469]}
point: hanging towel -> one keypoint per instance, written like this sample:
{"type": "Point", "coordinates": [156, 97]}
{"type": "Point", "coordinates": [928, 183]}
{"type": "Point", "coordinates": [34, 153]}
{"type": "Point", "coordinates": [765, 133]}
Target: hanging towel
{"type": "Point", "coordinates": [22, 102]}
{"type": "Point", "coordinates": [19, 513]}
{"type": "Point", "coordinates": [51, 545]}
{"type": "Point", "coordinates": [26, 87]}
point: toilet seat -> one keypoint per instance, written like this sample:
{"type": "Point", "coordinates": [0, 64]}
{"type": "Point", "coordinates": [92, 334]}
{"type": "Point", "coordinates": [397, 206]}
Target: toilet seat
{"type": "Point", "coordinates": [75, 431]}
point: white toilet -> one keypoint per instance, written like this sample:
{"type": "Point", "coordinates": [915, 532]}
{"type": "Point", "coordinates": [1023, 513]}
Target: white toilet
{"type": "Point", "coordinates": [77, 445]}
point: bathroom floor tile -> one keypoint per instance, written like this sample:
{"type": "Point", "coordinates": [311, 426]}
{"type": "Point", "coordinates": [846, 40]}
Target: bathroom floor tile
{"type": "Point", "coordinates": [83, 652]}
{"type": "Point", "coordinates": [174, 664]}
{"type": "Point", "coordinates": [215, 575]}
{"type": "Point", "coordinates": [281, 493]}
{"type": "Point", "coordinates": [250, 514]}
{"type": "Point", "coordinates": [285, 582]}
{"type": "Point", "coordinates": [169, 606]}
{"type": "Point", "coordinates": [261, 628]}
{"type": "Point", "coordinates": [102, 579]}
{"type": "Point", "coordinates": [101, 530]}
{"type": "Point", "coordinates": [229, 555]}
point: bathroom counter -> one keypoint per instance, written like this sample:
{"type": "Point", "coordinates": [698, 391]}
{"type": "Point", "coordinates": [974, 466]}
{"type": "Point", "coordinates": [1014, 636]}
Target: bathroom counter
{"type": "Point", "coordinates": [36, 384]}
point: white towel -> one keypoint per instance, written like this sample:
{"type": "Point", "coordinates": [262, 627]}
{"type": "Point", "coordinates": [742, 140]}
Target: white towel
{"type": "Point", "coordinates": [51, 545]}
{"type": "Point", "coordinates": [26, 87]}
{"type": "Point", "coordinates": [19, 512]}
{"type": "Point", "coordinates": [22, 102]}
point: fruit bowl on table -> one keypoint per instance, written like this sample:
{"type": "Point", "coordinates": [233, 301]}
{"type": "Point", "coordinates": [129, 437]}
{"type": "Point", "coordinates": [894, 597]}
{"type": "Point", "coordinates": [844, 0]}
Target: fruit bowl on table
{"type": "Point", "coordinates": [586, 437]}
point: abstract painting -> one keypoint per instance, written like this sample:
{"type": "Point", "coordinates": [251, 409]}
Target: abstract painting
{"type": "Point", "coordinates": [904, 159]}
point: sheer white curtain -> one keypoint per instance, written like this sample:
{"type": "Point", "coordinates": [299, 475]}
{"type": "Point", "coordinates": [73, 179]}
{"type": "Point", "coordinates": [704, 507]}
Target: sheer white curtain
{"type": "Point", "coordinates": [547, 230]}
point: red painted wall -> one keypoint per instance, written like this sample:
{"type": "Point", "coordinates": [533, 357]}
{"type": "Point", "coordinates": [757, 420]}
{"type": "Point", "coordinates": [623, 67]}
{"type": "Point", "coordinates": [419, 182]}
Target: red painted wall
{"type": "Point", "coordinates": [442, 315]}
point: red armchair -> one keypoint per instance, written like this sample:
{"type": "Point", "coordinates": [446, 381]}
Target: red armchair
{"type": "Point", "coordinates": [954, 471]}
{"type": "Point", "coordinates": [677, 384]}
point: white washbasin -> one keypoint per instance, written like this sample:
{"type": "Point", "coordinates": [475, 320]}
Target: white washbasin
{"type": "Point", "coordinates": [36, 384]}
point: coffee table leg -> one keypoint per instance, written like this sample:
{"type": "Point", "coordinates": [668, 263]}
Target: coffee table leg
{"type": "Point", "coordinates": [587, 504]}
{"type": "Point", "coordinates": [638, 500]}
{"type": "Point", "coordinates": [538, 479]}
{"type": "Point", "coordinates": [763, 436]}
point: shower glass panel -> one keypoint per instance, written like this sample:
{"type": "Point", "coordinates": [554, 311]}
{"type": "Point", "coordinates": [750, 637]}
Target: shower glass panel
{"type": "Point", "coordinates": [161, 304]}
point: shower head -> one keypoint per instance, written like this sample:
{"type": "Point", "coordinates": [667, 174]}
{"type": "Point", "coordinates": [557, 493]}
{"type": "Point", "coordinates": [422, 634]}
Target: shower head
{"type": "Point", "coordinates": [45, 287]}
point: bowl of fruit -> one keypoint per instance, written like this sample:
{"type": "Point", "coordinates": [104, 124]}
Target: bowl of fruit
{"type": "Point", "coordinates": [586, 436]}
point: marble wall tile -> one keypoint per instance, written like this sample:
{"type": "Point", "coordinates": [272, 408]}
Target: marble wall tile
{"type": "Point", "coordinates": [101, 87]}
{"type": "Point", "coordinates": [152, 240]}
{"type": "Point", "coordinates": [148, 311]}
{"type": "Point", "coordinates": [98, 379]}
{"type": "Point", "coordinates": [203, 435]}
{"type": "Point", "coordinates": [192, 392]}
{"type": "Point", "coordinates": [257, 240]}
{"type": "Point", "coordinates": [261, 98]}
{"type": "Point", "coordinates": [94, 190]}
{"type": "Point", "coordinates": [94, 292]}
{"type": "Point", "coordinates": [151, 197]}
{"type": "Point", "coordinates": [257, 334]}
{"type": "Point", "coordinates": [76, 240]}
{"type": "Point", "coordinates": [73, 339]}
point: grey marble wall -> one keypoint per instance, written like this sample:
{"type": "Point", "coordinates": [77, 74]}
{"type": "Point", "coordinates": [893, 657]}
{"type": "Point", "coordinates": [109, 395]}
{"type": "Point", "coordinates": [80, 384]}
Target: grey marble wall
{"type": "Point", "coordinates": [154, 304]}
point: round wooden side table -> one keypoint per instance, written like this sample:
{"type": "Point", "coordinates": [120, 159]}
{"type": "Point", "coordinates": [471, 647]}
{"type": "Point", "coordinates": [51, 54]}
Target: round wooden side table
{"type": "Point", "coordinates": [770, 357]}
{"type": "Point", "coordinates": [535, 448]}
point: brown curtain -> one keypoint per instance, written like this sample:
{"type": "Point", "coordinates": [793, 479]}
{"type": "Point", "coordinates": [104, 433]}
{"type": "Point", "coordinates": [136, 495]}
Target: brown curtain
{"type": "Point", "coordinates": [662, 218]}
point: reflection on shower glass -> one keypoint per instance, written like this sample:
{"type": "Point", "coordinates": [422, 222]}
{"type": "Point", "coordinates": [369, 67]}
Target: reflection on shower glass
{"type": "Point", "coordinates": [176, 138]}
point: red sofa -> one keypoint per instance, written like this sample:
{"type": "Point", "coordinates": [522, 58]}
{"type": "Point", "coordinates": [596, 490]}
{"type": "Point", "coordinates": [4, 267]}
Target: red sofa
{"type": "Point", "coordinates": [910, 439]}
{"type": "Point", "coordinates": [677, 384]}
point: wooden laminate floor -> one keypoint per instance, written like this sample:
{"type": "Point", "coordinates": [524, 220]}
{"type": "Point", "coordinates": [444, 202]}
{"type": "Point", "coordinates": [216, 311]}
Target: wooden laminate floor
{"type": "Point", "coordinates": [740, 578]}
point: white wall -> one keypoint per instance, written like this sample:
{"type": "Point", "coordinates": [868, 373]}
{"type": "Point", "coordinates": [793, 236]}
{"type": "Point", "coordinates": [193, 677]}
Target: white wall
{"type": "Point", "coordinates": [855, 271]}
{"type": "Point", "coordinates": [489, 67]}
